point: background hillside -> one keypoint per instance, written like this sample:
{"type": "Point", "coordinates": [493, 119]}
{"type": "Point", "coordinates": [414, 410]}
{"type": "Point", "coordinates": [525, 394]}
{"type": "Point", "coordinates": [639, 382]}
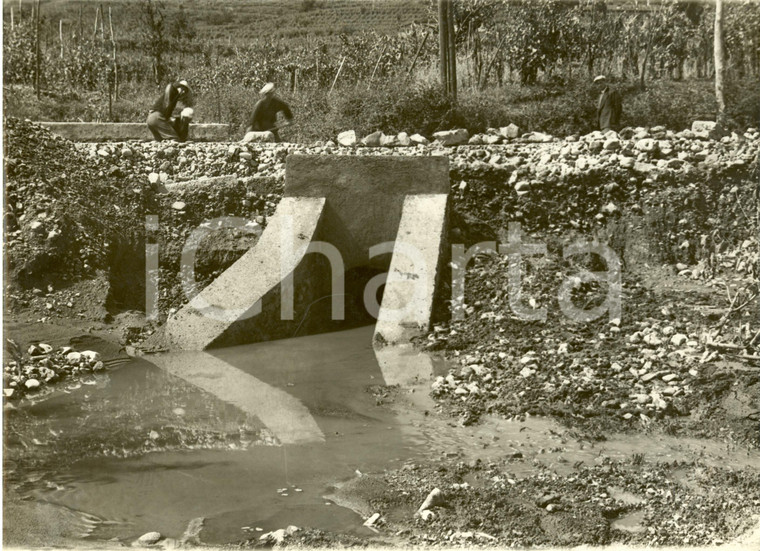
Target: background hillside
{"type": "Point", "coordinates": [238, 21]}
{"type": "Point", "coordinates": [373, 65]}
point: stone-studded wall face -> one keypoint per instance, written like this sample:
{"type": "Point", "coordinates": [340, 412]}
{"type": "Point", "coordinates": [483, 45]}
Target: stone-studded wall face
{"type": "Point", "coordinates": [557, 184]}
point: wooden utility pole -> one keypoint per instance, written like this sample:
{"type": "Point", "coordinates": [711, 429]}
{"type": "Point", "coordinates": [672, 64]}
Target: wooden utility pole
{"type": "Point", "coordinates": [452, 44]}
{"type": "Point", "coordinates": [37, 54]}
{"type": "Point", "coordinates": [720, 60]}
{"type": "Point", "coordinates": [60, 34]}
{"type": "Point", "coordinates": [115, 63]}
{"type": "Point", "coordinates": [443, 44]}
{"type": "Point", "coordinates": [447, 47]}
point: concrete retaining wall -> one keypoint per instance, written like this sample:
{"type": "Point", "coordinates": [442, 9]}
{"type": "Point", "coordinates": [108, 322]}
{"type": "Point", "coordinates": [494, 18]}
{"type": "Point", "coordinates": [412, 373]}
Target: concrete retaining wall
{"type": "Point", "coordinates": [337, 213]}
{"type": "Point", "coordinates": [365, 196]}
{"type": "Point", "coordinates": [243, 304]}
{"type": "Point", "coordinates": [415, 270]}
{"type": "Point", "coordinates": [123, 131]}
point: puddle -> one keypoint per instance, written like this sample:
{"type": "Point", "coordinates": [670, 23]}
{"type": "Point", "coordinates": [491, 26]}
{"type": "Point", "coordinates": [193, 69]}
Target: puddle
{"type": "Point", "coordinates": [253, 437]}
{"type": "Point", "coordinates": [618, 494]}
{"type": "Point", "coordinates": [631, 522]}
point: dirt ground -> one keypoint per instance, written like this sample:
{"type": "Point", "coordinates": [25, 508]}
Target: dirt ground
{"type": "Point", "coordinates": [642, 428]}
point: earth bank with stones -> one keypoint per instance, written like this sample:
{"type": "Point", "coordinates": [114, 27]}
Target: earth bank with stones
{"type": "Point", "coordinates": [679, 209]}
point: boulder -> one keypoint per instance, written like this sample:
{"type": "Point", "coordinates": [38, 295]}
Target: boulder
{"type": "Point", "coordinates": [647, 145]}
{"type": "Point", "coordinates": [626, 133]}
{"type": "Point", "coordinates": [452, 137]}
{"type": "Point", "coordinates": [387, 141]}
{"type": "Point", "coordinates": [91, 355]}
{"type": "Point", "coordinates": [402, 139]}
{"type": "Point", "coordinates": [643, 168]}
{"type": "Point", "coordinates": [627, 162]}
{"type": "Point", "coordinates": [699, 127]}
{"type": "Point", "coordinates": [510, 131]}
{"type": "Point", "coordinates": [149, 538]}
{"type": "Point", "coordinates": [258, 137]}
{"type": "Point", "coordinates": [538, 137]}
{"type": "Point", "coordinates": [372, 140]}
{"type": "Point", "coordinates": [347, 138]}
{"type": "Point", "coordinates": [418, 139]}
{"type": "Point", "coordinates": [665, 147]}
{"type": "Point", "coordinates": [522, 187]}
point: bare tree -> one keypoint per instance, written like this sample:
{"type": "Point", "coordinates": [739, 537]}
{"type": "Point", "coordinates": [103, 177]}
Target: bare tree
{"type": "Point", "coordinates": [155, 35]}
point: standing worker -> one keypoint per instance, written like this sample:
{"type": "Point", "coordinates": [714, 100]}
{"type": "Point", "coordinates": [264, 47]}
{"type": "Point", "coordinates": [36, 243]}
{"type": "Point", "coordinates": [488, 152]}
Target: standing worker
{"type": "Point", "coordinates": [160, 121]}
{"type": "Point", "coordinates": [610, 106]}
{"type": "Point", "coordinates": [264, 118]}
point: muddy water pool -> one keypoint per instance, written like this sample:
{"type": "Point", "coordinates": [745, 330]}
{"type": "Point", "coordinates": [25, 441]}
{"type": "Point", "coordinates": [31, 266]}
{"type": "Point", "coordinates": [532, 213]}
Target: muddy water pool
{"type": "Point", "coordinates": [252, 438]}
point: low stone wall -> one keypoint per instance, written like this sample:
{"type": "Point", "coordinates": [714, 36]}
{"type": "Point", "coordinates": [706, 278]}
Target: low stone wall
{"type": "Point", "coordinates": [122, 131]}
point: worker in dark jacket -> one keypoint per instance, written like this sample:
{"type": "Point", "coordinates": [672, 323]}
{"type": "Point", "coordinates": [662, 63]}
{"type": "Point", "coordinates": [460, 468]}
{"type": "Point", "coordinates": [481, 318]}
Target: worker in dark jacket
{"type": "Point", "coordinates": [264, 118]}
{"type": "Point", "coordinates": [610, 106]}
{"type": "Point", "coordinates": [160, 121]}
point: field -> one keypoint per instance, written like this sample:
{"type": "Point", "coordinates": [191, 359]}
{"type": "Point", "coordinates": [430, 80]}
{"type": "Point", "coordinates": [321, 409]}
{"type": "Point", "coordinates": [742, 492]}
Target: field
{"type": "Point", "coordinates": [373, 65]}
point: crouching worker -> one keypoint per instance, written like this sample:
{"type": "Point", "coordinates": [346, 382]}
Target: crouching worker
{"type": "Point", "coordinates": [263, 125]}
{"type": "Point", "coordinates": [160, 121]}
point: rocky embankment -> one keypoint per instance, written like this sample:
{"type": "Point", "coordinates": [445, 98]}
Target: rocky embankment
{"type": "Point", "coordinates": [679, 208]}
{"type": "Point", "coordinates": [78, 211]}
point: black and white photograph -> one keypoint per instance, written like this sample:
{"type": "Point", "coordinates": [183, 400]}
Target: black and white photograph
{"type": "Point", "coordinates": [381, 274]}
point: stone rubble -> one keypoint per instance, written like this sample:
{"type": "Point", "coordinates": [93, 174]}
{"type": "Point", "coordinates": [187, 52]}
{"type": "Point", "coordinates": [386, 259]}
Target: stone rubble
{"type": "Point", "coordinates": [42, 365]}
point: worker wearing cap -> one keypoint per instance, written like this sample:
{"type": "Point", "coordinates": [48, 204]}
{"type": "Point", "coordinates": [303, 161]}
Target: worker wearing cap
{"type": "Point", "coordinates": [160, 121]}
{"type": "Point", "coordinates": [265, 112]}
{"type": "Point", "coordinates": [610, 106]}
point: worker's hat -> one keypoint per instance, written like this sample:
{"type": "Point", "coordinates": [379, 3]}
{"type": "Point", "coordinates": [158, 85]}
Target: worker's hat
{"type": "Point", "coordinates": [268, 87]}
{"type": "Point", "coordinates": [184, 84]}
{"type": "Point", "coordinates": [600, 78]}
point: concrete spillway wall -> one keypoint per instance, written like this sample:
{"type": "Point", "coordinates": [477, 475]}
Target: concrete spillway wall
{"type": "Point", "coordinates": [337, 213]}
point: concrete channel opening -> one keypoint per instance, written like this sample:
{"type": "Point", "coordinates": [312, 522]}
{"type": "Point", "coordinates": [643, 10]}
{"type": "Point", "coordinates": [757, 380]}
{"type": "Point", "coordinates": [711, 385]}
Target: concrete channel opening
{"type": "Point", "coordinates": [343, 222]}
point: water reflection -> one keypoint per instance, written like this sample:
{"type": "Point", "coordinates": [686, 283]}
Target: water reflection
{"type": "Point", "coordinates": [285, 416]}
{"type": "Point", "coordinates": [315, 403]}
